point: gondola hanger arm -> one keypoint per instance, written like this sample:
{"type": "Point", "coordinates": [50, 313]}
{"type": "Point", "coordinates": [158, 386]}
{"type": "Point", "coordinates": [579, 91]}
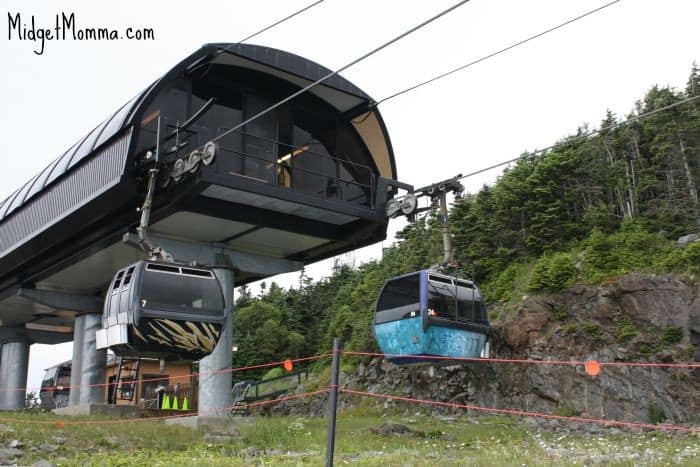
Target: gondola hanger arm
{"type": "Point", "coordinates": [407, 205]}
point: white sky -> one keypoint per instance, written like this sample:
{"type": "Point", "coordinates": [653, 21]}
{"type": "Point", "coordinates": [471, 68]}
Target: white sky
{"type": "Point", "coordinates": [522, 100]}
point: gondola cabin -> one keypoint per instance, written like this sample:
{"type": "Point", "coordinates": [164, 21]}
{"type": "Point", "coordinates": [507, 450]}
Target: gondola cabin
{"type": "Point", "coordinates": [162, 310]}
{"type": "Point", "coordinates": [425, 314]}
{"type": "Point", "coordinates": [55, 387]}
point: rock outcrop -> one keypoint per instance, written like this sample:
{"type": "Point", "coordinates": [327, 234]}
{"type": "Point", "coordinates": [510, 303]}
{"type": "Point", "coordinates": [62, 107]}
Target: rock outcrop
{"type": "Point", "coordinates": [633, 318]}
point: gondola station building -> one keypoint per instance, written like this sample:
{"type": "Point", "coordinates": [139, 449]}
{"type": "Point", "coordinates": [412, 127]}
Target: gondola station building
{"type": "Point", "coordinates": [133, 238]}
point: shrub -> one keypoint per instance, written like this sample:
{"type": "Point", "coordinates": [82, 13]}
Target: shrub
{"type": "Point", "coordinates": [672, 334]}
{"type": "Point", "coordinates": [645, 349]}
{"type": "Point", "coordinates": [591, 329]}
{"type": "Point", "coordinates": [630, 249]}
{"type": "Point", "coordinates": [656, 414]}
{"type": "Point", "coordinates": [691, 257]}
{"type": "Point", "coordinates": [503, 286]}
{"type": "Point", "coordinates": [553, 273]}
{"type": "Point", "coordinates": [566, 412]}
{"type": "Point", "coordinates": [273, 373]}
{"type": "Point", "coordinates": [687, 352]}
{"type": "Point", "coordinates": [626, 330]}
{"type": "Point", "coordinates": [682, 259]}
{"type": "Point", "coordinates": [560, 313]}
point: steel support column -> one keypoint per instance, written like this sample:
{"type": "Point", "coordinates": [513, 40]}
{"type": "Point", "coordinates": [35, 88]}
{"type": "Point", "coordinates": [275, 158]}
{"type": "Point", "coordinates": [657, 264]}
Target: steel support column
{"type": "Point", "coordinates": [76, 371]}
{"type": "Point", "coordinates": [14, 362]}
{"type": "Point", "coordinates": [94, 363]}
{"type": "Point", "coordinates": [214, 379]}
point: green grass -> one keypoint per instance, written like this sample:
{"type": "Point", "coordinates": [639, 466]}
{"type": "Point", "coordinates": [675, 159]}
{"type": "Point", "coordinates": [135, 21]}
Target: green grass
{"type": "Point", "coordinates": [302, 441]}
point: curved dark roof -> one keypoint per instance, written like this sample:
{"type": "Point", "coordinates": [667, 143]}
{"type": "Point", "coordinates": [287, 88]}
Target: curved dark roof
{"type": "Point", "coordinates": [291, 63]}
{"type": "Point", "coordinates": [285, 61]}
{"type": "Point", "coordinates": [76, 153]}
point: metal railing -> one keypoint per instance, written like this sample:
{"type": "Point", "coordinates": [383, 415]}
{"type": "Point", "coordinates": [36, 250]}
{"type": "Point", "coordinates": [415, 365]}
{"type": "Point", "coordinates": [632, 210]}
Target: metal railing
{"type": "Point", "coordinates": [293, 171]}
{"type": "Point", "coordinates": [301, 169]}
{"type": "Point", "coordinates": [268, 388]}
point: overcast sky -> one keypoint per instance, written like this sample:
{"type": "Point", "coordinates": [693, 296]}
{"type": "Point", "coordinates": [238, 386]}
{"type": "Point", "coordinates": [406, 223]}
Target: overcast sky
{"type": "Point", "coordinates": [525, 99]}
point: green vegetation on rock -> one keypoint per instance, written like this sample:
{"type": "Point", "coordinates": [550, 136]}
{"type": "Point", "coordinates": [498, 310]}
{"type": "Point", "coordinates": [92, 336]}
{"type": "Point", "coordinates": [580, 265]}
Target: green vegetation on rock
{"type": "Point", "coordinates": [626, 330]}
{"type": "Point", "coordinates": [672, 334]}
{"type": "Point", "coordinates": [553, 273]}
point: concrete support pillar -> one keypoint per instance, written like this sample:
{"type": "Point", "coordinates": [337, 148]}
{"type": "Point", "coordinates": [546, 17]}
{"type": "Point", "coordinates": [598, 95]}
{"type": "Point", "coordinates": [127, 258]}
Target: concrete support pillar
{"type": "Point", "coordinates": [76, 371]}
{"type": "Point", "coordinates": [14, 362]}
{"type": "Point", "coordinates": [215, 388]}
{"type": "Point", "coordinates": [94, 363]}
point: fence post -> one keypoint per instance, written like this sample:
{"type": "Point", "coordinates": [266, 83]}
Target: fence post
{"type": "Point", "coordinates": [333, 402]}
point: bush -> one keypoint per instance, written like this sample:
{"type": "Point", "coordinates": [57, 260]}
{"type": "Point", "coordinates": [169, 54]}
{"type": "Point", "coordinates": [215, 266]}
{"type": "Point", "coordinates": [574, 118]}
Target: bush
{"type": "Point", "coordinates": [553, 273]}
{"type": "Point", "coordinates": [273, 373]}
{"type": "Point", "coordinates": [503, 286]}
{"type": "Point", "coordinates": [566, 412]}
{"type": "Point", "coordinates": [646, 349]}
{"type": "Point", "coordinates": [656, 414]}
{"type": "Point", "coordinates": [626, 330]}
{"type": "Point", "coordinates": [672, 334]}
{"type": "Point", "coordinates": [560, 313]}
{"type": "Point", "coordinates": [681, 259]}
{"type": "Point", "coordinates": [629, 250]}
{"type": "Point", "coordinates": [691, 257]}
{"type": "Point", "coordinates": [592, 330]}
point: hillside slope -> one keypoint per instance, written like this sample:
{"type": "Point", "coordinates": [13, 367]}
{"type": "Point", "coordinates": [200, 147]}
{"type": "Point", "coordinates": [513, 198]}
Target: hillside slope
{"type": "Point", "coordinates": [634, 318]}
{"type": "Point", "coordinates": [585, 211]}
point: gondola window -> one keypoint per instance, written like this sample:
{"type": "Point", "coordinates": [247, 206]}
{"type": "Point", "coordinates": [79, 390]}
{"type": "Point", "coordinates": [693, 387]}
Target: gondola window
{"type": "Point", "coordinates": [399, 299]}
{"type": "Point", "coordinates": [442, 302]}
{"type": "Point", "coordinates": [181, 293]}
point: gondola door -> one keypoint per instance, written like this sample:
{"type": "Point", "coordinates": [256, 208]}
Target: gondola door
{"type": "Point", "coordinates": [398, 318]}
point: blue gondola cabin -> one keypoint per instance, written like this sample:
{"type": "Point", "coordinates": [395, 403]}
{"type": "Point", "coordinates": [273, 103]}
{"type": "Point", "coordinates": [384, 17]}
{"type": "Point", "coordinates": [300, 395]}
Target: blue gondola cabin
{"type": "Point", "coordinates": [425, 314]}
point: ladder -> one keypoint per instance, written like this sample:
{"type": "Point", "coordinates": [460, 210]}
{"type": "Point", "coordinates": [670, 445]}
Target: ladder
{"type": "Point", "coordinates": [239, 392]}
{"type": "Point", "coordinates": [127, 374]}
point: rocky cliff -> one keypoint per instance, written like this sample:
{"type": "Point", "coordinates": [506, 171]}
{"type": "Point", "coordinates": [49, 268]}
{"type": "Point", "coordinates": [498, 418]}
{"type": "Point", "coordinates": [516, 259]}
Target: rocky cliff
{"type": "Point", "coordinates": [633, 318]}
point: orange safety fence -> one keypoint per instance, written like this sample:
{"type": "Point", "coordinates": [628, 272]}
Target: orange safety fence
{"type": "Point", "coordinates": [588, 365]}
{"type": "Point", "coordinates": [523, 413]}
{"type": "Point", "coordinates": [170, 378]}
{"type": "Point", "coordinates": [454, 405]}
{"type": "Point", "coordinates": [525, 361]}
{"type": "Point", "coordinates": [592, 367]}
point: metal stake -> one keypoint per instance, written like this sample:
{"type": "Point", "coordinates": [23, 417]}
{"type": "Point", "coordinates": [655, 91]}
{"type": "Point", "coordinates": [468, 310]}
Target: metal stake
{"type": "Point", "coordinates": [333, 402]}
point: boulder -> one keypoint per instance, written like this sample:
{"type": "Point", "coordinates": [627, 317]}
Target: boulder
{"type": "Point", "coordinates": [7, 454]}
{"type": "Point", "coordinates": [686, 239]}
{"type": "Point", "coordinates": [605, 309]}
{"type": "Point", "coordinates": [533, 317]}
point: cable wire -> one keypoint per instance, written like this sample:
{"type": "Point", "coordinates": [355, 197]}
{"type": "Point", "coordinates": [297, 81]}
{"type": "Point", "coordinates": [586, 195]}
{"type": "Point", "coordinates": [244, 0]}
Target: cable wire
{"type": "Point", "coordinates": [581, 136]}
{"type": "Point", "coordinates": [493, 54]}
{"type": "Point", "coordinates": [523, 361]}
{"type": "Point", "coordinates": [276, 23]}
{"type": "Point", "coordinates": [341, 69]}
